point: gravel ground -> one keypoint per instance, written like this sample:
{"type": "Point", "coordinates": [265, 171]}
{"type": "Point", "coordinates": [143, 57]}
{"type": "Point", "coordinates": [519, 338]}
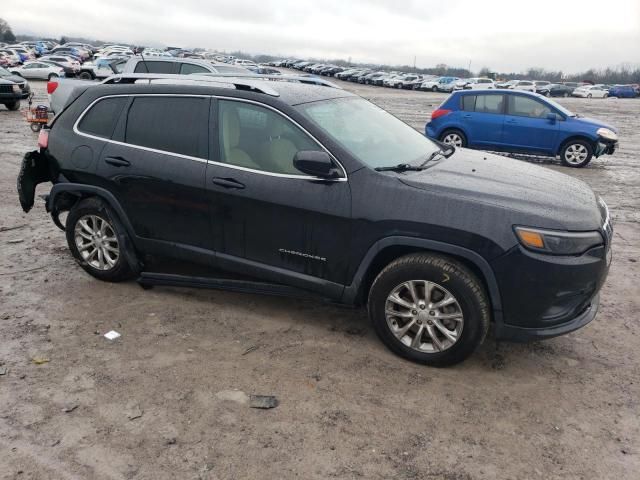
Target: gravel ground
{"type": "Point", "coordinates": [168, 398]}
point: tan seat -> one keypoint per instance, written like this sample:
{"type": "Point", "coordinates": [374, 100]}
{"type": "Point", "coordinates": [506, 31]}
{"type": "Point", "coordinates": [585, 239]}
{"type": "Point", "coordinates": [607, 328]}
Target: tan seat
{"type": "Point", "coordinates": [278, 152]}
{"type": "Point", "coordinates": [231, 140]}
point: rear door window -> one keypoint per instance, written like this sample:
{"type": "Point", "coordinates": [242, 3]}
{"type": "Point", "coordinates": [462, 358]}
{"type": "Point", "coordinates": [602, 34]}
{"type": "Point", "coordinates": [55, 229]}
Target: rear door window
{"type": "Point", "coordinates": [468, 103]}
{"type": "Point", "coordinates": [489, 103]}
{"type": "Point", "coordinates": [483, 103]}
{"type": "Point", "coordinates": [170, 124]}
{"type": "Point", "coordinates": [154, 67]}
{"type": "Point", "coordinates": [101, 119]}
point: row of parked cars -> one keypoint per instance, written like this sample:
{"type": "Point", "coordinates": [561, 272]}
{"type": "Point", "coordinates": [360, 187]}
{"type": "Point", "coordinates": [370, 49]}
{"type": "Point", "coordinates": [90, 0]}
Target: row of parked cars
{"type": "Point", "coordinates": [448, 84]}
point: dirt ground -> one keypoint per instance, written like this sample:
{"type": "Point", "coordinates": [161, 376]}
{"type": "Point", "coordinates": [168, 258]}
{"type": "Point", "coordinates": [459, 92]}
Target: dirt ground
{"type": "Point", "coordinates": [168, 399]}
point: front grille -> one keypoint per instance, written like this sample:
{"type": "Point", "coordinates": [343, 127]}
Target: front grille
{"type": "Point", "coordinates": [6, 88]}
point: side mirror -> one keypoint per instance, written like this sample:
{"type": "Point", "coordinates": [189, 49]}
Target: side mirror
{"type": "Point", "coordinates": [552, 117]}
{"type": "Point", "coordinates": [316, 163]}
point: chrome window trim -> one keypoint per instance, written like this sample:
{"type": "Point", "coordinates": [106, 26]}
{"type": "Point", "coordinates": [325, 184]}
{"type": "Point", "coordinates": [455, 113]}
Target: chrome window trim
{"type": "Point", "coordinates": [77, 131]}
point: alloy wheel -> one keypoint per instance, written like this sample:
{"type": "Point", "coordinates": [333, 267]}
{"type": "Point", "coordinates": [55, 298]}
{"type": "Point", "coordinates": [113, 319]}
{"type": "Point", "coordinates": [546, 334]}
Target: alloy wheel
{"type": "Point", "coordinates": [576, 154]}
{"type": "Point", "coordinates": [97, 242]}
{"type": "Point", "coordinates": [424, 316]}
{"type": "Point", "coordinates": [452, 139]}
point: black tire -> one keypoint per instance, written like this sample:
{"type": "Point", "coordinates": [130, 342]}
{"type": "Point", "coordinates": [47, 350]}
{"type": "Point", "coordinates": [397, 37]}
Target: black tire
{"type": "Point", "coordinates": [450, 131]}
{"type": "Point", "coordinates": [577, 143]}
{"type": "Point", "coordinates": [565, 94]}
{"type": "Point", "coordinates": [434, 89]}
{"type": "Point", "coordinates": [35, 127]}
{"type": "Point", "coordinates": [52, 76]}
{"type": "Point", "coordinates": [94, 206]}
{"type": "Point", "coordinates": [85, 76]}
{"type": "Point", "coordinates": [13, 106]}
{"type": "Point", "coordinates": [460, 282]}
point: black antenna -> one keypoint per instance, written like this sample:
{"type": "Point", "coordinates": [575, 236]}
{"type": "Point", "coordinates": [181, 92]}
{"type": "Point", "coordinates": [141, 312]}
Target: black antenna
{"type": "Point", "coordinates": [143, 60]}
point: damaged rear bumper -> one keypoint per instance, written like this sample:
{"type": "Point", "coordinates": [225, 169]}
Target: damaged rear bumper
{"type": "Point", "coordinates": [35, 169]}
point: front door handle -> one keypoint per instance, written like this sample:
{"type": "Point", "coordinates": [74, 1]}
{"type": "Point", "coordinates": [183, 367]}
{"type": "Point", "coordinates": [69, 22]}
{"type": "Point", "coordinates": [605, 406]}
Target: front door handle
{"type": "Point", "coordinates": [117, 161]}
{"type": "Point", "coordinates": [228, 183]}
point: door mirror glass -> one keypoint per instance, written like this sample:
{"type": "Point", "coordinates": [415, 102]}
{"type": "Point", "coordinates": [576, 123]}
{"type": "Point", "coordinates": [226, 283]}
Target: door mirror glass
{"type": "Point", "coordinates": [316, 163]}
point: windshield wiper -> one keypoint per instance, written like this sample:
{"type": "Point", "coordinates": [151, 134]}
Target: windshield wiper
{"type": "Point", "coordinates": [401, 167]}
{"type": "Point", "coordinates": [445, 152]}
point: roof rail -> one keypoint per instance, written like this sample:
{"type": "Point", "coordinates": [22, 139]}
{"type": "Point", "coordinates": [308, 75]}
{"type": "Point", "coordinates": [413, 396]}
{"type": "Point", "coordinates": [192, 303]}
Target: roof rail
{"type": "Point", "coordinates": [250, 81]}
{"type": "Point", "coordinates": [307, 79]}
{"type": "Point", "coordinates": [201, 79]}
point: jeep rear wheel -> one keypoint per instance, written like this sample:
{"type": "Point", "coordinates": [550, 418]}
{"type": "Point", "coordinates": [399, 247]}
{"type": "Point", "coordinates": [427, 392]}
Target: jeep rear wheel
{"type": "Point", "coordinates": [429, 309]}
{"type": "Point", "coordinates": [94, 238]}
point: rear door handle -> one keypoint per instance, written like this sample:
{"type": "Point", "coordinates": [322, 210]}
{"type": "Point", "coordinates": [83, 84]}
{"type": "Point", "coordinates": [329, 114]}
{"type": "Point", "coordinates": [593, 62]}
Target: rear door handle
{"type": "Point", "coordinates": [228, 183]}
{"type": "Point", "coordinates": [117, 161]}
{"type": "Point", "coordinates": [468, 115]}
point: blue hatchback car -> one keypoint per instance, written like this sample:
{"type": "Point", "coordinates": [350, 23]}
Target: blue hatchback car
{"type": "Point", "coordinates": [520, 122]}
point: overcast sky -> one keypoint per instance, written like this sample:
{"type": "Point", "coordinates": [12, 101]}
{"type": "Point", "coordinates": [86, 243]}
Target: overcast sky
{"type": "Point", "coordinates": [504, 35]}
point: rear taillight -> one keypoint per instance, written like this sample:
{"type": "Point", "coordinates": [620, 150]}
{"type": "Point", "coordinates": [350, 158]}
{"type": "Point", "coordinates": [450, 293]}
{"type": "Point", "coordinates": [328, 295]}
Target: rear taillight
{"type": "Point", "coordinates": [43, 138]}
{"type": "Point", "coordinates": [51, 86]}
{"type": "Point", "coordinates": [441, 112]}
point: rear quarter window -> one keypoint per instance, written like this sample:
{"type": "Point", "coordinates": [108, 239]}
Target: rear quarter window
{"type": "Point", "coordinates": [101, 118]}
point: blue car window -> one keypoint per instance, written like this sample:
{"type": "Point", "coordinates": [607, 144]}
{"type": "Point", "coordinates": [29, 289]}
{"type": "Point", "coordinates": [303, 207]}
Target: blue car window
{"type": "Point", "coordinates": [469, 103]}
{"type": "Point", "coordinates": [522, 106]}
{"type": "Point", "coordinates": [489, 103]}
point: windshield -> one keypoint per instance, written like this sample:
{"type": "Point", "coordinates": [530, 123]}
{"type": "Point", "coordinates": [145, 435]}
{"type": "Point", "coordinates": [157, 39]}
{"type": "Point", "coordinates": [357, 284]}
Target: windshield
{"type": "Point", "coordinates": [373, 136]}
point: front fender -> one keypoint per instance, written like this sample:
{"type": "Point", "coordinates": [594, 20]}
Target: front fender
{"type": "Point", "coordinates": [350, 293]}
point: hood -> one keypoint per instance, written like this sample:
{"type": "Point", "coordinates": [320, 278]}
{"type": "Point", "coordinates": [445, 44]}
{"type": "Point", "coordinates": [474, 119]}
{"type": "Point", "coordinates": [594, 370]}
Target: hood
{"type": "Point", "coordinates": [536, 196]}
{"type": "Point", "coordinates": [594, 123]}
{"type": "Point", "coordinates": [13, 79]}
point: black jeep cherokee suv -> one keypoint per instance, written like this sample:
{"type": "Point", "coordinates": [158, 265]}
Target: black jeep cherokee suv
{"type": "Point", "coordinates": [308, 188]}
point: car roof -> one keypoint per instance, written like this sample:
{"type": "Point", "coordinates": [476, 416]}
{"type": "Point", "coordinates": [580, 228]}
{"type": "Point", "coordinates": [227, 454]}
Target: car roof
{"type": "Point", "coordinates": [524, 93]}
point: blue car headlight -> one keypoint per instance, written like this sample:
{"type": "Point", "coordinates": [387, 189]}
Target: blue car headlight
{"type": "Point", "coordinates": [607, 134]}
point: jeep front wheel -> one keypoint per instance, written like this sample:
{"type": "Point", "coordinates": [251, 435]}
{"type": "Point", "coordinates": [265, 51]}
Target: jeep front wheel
{"type": "Point", "coordinates": [429, 309]}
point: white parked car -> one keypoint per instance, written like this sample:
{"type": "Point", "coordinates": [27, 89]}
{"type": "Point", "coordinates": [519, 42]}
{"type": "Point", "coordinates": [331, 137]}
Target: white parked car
{"type": "Point", "coordinates": [394, 82]}
{"type": "Point", "coordinates": [66, 61]}
{"type": "Point", "coordinates": [38, 70]}
{"type": "Point", "coordinates": [244, 63]}
{"type": "Point", "coordinates": [526, 85]}
{"type": "Point", "coordinates": [591, 91]}
{"type": "Point", "coordinates": [478, 83]}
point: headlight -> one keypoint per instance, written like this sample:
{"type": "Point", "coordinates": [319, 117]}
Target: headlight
{"type": "Point", "coordinates": [558, 243]}
{"type": "Point", "coordinates": [16, 88]}
{"type": "Point", "coordinates": [607, 134]}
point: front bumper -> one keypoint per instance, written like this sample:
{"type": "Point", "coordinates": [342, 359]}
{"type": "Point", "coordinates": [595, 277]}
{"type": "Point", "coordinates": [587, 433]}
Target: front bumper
{"type": "Point", "coordinates": [545, 296]}
{"type": "Point", "coordinates": [523, 334]}
{"type": "Point", "coordinates": [605, 147]}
